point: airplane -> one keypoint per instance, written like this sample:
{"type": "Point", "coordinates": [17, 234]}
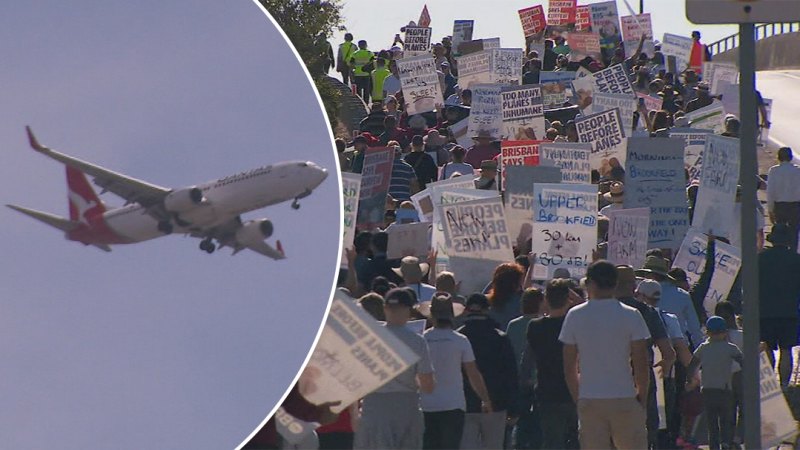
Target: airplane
{"type": "Point", "coordinates": [209, 211]}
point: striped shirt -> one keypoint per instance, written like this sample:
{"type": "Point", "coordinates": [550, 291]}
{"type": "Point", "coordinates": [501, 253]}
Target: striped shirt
{"type": "Point", "coordinates": [402, 174]}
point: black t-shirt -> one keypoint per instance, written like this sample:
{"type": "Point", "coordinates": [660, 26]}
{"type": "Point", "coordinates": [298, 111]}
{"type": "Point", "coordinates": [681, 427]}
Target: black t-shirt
{"type": "Point", "coordinates": [424, 167]}
{"type": "Point", "coordinates": [651, 317]}
{"type": "Point", "coordinates": [551, 385]}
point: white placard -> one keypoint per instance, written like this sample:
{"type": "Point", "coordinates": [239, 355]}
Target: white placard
{"type": "Point", "coordinates": [486, 112]}
{"type": "Point", "coordinates": [351, 187]}
{"type": "Point", "coordinates": [714, 208]}
{"type": "Point", "coordinates": [522, 113]}
{"type": "Point", "coordinates": [628, 236]}
{"type": "Point", "coordinates": [408, 239]}
{"type": "Point", "coordinates": [605, 131]}
{"type": "Point", "coordinates": [420, 84]}
{"type": "Point", "coordinates": [477, 229]}
{"type": "Point", "coordinates": [572, 158]}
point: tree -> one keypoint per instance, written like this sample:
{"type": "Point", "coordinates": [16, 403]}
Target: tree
{"type": "Point", "coordinates": [304, 21]}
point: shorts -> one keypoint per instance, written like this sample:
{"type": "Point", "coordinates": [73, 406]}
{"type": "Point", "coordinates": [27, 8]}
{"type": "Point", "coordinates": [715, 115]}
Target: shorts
{"type": "Point", "coordinates": [779, 333]}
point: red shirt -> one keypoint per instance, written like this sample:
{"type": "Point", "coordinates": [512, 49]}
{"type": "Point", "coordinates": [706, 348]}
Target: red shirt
{"type": "Point", "coordinates": [342, 425]}
{"type": "Point", "coordinates": [478, 153]}
{"type": "Point", "coordinates": [296, 405]}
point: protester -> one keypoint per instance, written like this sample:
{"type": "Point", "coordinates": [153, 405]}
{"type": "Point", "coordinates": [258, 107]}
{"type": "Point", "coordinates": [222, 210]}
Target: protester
{"type": "Point", "coordinates": [404, 181]}
{"type": "Point", "coordinates": [343, 56]}
{"type": "Point", "coordinates": [423, 164]}
{"type": "Point", "coordinates": [487, 180]}
{"type": "Point", "coordinates": [456, 164]}
{"type": "Point", "coordinates": [783, 193]}
{"type": "Point", "coordinates": [362, 61]}
{"type": "Point", "coordinates": [482, 150]}
{"type": "Point", "coordinates": [413, 271]}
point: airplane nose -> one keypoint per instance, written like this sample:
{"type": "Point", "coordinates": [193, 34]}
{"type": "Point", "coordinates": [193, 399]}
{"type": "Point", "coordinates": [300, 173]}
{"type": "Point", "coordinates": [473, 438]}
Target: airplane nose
{"type": "Point", "coordinates": [317, 173]}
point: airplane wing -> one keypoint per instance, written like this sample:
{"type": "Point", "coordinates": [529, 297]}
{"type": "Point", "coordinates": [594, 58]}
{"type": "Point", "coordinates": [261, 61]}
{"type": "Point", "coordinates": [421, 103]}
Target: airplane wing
{"type": "Point", "coordinates": [266, 250]}
{"type": "Point", "coordinates": [130, 189]}
{"type": "Point", "coordinates": [226, 236]}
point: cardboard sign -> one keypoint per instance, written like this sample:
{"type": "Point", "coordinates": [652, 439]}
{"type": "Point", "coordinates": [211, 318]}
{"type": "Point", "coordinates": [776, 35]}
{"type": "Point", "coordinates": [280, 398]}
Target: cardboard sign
{"type": "Point", "coordinates": [695, 140]}
{"type": "Point", "coordinates": [519, 196]}
{"type": "Point", "coordinates": [711, 117]}
{"type": "Point", "coordinates": [714, 209]}
{"type": "Point", "coordinates": [556, 88]}
{"type": "Point", "coordinates": [585, 44]}
{"type": "Point", "coordinates": [408, 239]}
{"type": "Point", "coordinates": [533, 20]}
{"type": "Point", "coordinates": [462, 32]}
{"type": "Point", "coordinates": [654, 179]}
{"type": "Point", "coordinates": [625, 103]}
{"type": "Point", "coordinates": [633, 27]}
{"type": "Point", "coordinates": [727, 262]}
{"type": "Point", "coordinates": [564, 228]}
{"type": "Point", "coordinates": [420, 84]}
{"type": "Point", "coordinates": [613, 80]}
{"type": "Point", "coordinates": [605, 131]}
{"type": "Point", "coordinates": [507, 65]}
{"type": "Point", "coordinates": [583, 19]}
{"type": "Point", "coordinates": [691, 256]}
{"type": "Point", "coordinates": [678, 46]}
{"type": "Point", "coordinates": [583, 87]}
{"type": "Point", "coordinates": [571, 157]}
{"type": "Point", "coordinates": [474, 68]}
{"type": "Point", "coordinates": [417, 41]}
{"type": "Point", "coordinates": [351, 188]}
{"type": "Point", "coordinates": [777, 422]}
{"type": "Point", "coordinates": [446, 192]}
{"type": "Point", "coordinates": [486, 113]}
{"type": "Point", "coordinates": [720, 75]}
{"type": "Point", "coordinates": [522, 113]}
{"type": "Point", "coordinates": [375, 178]}
{"type": "Point", "coordinates": [628, 236]}
{"type": "Point", "coordinates": [353, 357]}
{"type": "Point", "coordinates": [605, 21]}
{"type": "Point", "coordinates": [477, 229]}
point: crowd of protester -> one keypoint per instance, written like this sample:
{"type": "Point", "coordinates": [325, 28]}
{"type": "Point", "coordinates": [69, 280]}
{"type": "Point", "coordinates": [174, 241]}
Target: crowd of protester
{"type": "Point", "coordinates": [559, 363]}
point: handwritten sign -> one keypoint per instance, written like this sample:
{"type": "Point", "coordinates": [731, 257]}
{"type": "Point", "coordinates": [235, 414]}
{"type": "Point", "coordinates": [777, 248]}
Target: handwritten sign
{"type": "Point", "coordinates": [417, 41]}
{"type": "Point", "coordinates": [507, 66]}
{"type": "Point", "coordinates": [375, 179]}
{"type": "Point", "coordinates": [678, 46]}
{"type": "Point", "coordinates": [522, 113]}
{"type": "Point", "coordinates": [520, 181]}
{"type": "Point", "coordinates": [613, 80]}
{"type": "Point", "coordinates": [477, 229]}
{"type": "Point", "coordinates": [695, 140]}
{"type": "Point", "coordinates": [713, 212]}
{"type": "Point", "coordinates": [474, 68]}
{"type": "Point", "coordinates": [351, 188]}
{"type": "Point", "coordinates": [564, 228]}
{"type": "Point", "coordinates": [408, 239]}
{"type": "Point", "coordinates": [353, 357]}
{"type": "Point", "coordinates": [628, 236]}
{"type": "Point", "coordinates": [486, 113]}
{"type": "Point", "coordinates": [446, 192]}
{"type": "Point", "coordinates": [420, 84]}
{"type": "Point", "coordinates": [571, 157]}
{"type": "Point", "coordinates": [533, 20]}
{"type": "Point", "coordinates": [605, 131]}
{"type": "Point", "coordinates": [691, 256]}
{"type": "Point", "coordinates": [633, 28]}
{"type": "Point", "coordinates": [720, 75]}
{"type": "Point", "coordinates": [462, 32]}
{"type": "Point", "coordinates": [654, 179]}
{"type": "Point", "coordinates": [727, 262]}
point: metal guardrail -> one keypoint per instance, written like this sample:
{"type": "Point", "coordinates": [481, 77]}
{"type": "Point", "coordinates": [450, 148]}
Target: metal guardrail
{"type": "Point", "coordinates": [763, 31]}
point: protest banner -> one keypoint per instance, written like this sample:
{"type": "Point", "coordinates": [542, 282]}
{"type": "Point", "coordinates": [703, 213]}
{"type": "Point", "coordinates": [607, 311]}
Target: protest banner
{"type": "Point", "coordinates": [522, 113]}
{"type": "Point", "coordinates": [424, 17]}
{"type": "Point", "coordinates": [472, 274]}
{"type": "Point", "coordinates": [695, 142]}
{"type": "Point", "coordinates": [556, 88]}
{"type": "Point", "coordinates": [417, 41]}
{"type": "Point", "coordinates": [691, 256]}
{"type": "Point", "coordinates": [628, 236]}
{"type": "Point", "coordinates": [486, 112]}
{"type": "Point", "coordinates": [564, 228]}
{"type": "Point", "coordinates": [777, 422]}
{"type": "Point", "coordinates": [408, 239]}
{"type": "Point", "coordinates": [351, 188]}
{"type": "Point", "coordinates": [714, 208]}
{"type": "Point", "coordinates": [420, 84]}
{"type": "Point", "coordinates": [462, 32]}
{"type": "Point", "coordinates": [375, 177]}
{"type": "Point", "coordinates": [424, 200]}
{"type": "Point", "coordinates": [633, 27]}
{"type": "Point", "coordinates": [444, 192]}
{"type": "Point", "coordinates": [533, 20]}
{"type": "Point", "coordinates": [506, 67]}
{"type": "Point", "coordinates": [292, 429]}
{"type": "Point", "coordinates": [613, 80]}
{"type": "Point", "coordinates": [474, 68]}
{"type": "Point", "coordinates": [650, 102]}
{"type": "Point", "coordinates": [605, 21]}
{"type": "Point", "coordinates": [460, 131]}
{"type": "Point", "coordinates": [654, 179]}
{"type": "Point", "coordinates": [354, 356]}
{"type": "Point", "coordinates": [583, 18]}
{"type": "Point", "coordinates": [711, 117]}
{"type": "Point", "coordinates": [678, 46]}
{"type": "Point", "coordinates": [719, 75]}
{"type": "Point", "coordinates": [477, 229]}
{"type": "Point", "coordinates": [519, 196]}
{"type": "Point", "coordinates": [583, 88]}
{"type": "Point", "coordinates": [560, 18]}
{"type": "Point", "coordinates": [606, 134]}
{"type": "Point", "coordinates": [625, 103]}
{"type": "Point", "coordinates": [585, 44]}
{"type": "Point", "coordinates": [727, 262]}
{"type": "Point", "coordinates": [571, 157]}
{"type": "Point", "coordinates": [517, 153]}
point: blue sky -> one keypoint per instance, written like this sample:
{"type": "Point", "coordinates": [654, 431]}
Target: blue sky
{"type": "Point", "coordinates": [377, 22]}
{"type": "Point", "coordinates": [155, 344]}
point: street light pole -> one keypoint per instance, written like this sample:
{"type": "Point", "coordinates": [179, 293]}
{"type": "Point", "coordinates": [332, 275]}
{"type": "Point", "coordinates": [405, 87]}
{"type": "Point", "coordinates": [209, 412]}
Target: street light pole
{"type": "Point", "coordinates": [641, 6]}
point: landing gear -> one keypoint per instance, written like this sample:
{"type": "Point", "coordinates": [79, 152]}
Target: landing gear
{"type": "Point", "coordinates": [295, 204]}
{"type": "Point", "coordinates": [165, 227]}
{"type": "Point", "coordinates": [207, 245]}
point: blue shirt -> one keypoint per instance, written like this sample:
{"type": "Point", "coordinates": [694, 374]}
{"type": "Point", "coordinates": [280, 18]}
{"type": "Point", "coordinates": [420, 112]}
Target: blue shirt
{"type": "Point", "coordinates": [677, 301]}
{"type": "Point", "coordinates": [400, 184]}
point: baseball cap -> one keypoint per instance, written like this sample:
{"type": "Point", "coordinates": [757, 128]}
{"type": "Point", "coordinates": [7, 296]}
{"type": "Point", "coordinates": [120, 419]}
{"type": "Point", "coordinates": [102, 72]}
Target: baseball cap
{"type": "Point", "coordinates": [716, 324]}
{"type": "Point", "coordinates": [476, 302]}
{"type": "Point", "coordinates": [401, 296]}
{"type": "Point", "coordinates": [649, 288]}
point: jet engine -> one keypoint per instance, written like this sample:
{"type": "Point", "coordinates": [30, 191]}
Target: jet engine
{"type": "Point", "coordinates": [183, 199]}
{"type": "Point", "coordinates": [254, 231]}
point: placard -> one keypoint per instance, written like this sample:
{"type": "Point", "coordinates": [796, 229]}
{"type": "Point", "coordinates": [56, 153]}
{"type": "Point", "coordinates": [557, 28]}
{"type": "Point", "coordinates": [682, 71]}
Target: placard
{"type": "Point", "coordinates": [606, 134]}
{"type": "Point", "coordinates": [462, 32]}
{"type": "Point", "coordinates": [571, 157]}
{"type": "Point", "coordinates": [714, 208]}
{"type": "Point", "coordinates": [711, 117]}
{"type": "Point", "coordinates": [633, 27]}
{"type": "Point", "coordinates": [628, 236]}
{"type": "Point", "coordinates": [585, 44]}
{"type": "Point", "coordinates": [375, 178]}
{"type": "Point", "coordinates": [441, 193]}
{"type": "Point", "coordinates": [351, 188]}
{"type": "Point", "coordinates": [654, 178]}
{"type": "Point", "coordinates": [693, 150]}
{"type": "Point", "coordinates": [474, 68]}
{"type": "Point", "coordinates": [517, 153]}
{"type": "Point", "coordinates": [678, 46]}
{"type": "Point", "coordinates": [472, 274]}
{"type": "Point", "coordinates": [727, 262]}
{"type": "Point", "coordinates": [720, 75]}
{"type": "Point", "coordinates": [417, 41]}
{"type": "Point", "coordinates": [408, 239]}
{"type": "Point", "coordinates": [477, 229]}
{"type": "Point", "coordinates": [777, 422]}
{"type": "Point", "coordinates": [613, 80]}
{"type": "Point", "coordinates": [420, 84]}
{"type": "Point", "coordinates": [522, 113]}
{"type": "Point", "coordinates": [564, 228]}
{"type": "Point", "coordinates": [519, 197]}
{"type": "Point", "coordinates": [353, 357]}
{"type": "Point", "coordinates": [292, 429]}
{"type": "Point", "coordinates": [486, 112]}
{"type": "Point", "coordinates": [556, 88]}
{"type": "Point", "coordinates": [424, 17]}
{"type": "Point", "coordinates": [605, 21]}
{"type": "Point", "coordinates": [533, 20]}
{"type": "Point", "coordinates": [560, 18]}
{"type": "Point", "coordinates": [507, 66]}
{"type": "Point", "coordinates": [691, 256]}
{"type": "Point", "coordinates": [626, 104]}
{"type": "Point", "coordinates": [583, 19]}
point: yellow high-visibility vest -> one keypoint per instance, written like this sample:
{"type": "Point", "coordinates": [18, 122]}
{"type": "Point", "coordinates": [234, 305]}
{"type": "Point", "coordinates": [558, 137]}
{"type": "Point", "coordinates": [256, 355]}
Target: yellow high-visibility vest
{"type": "Point", "coordinates": [362, 57]}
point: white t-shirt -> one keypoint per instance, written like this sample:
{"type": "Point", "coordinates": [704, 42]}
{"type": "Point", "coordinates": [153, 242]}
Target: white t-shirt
{"type": "Point", "coordinates": [673, 325]}
{"type": "Point", "coordinates": [449, 349]}
{"type": "Point", "coordinates": [603, 329]}
{"type": "Point", "coordinates": [452, 167]}
{"type": "Point", "coordinates": [391, 85]}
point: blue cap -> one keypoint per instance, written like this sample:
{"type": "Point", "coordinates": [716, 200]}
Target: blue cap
{"type": "Point", "coordinates": [716, 324]}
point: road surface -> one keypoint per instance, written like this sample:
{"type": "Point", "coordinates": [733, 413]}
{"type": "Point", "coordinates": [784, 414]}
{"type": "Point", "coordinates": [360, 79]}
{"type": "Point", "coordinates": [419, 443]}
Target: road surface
{"type": "Point", "coordinates": [783, 87]}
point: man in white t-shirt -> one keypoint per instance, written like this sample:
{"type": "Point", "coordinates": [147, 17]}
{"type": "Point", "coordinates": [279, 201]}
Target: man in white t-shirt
{"type": "Point", "coordinates": [450, 353]}
{"type": "Point", "coordinates": [604, 338]}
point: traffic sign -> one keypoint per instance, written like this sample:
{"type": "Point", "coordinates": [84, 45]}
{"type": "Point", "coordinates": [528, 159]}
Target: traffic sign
{"type": "Point", "coordinates": [742, 11]}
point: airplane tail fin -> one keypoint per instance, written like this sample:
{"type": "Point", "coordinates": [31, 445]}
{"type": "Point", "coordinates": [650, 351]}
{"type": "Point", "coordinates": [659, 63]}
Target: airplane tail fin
{"type": "Point", "coordinates": [280, 248]}
{"type": "Point", "coordinates": [61, 223]}
{"type": "Point", "coordinates": [83, 200]}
